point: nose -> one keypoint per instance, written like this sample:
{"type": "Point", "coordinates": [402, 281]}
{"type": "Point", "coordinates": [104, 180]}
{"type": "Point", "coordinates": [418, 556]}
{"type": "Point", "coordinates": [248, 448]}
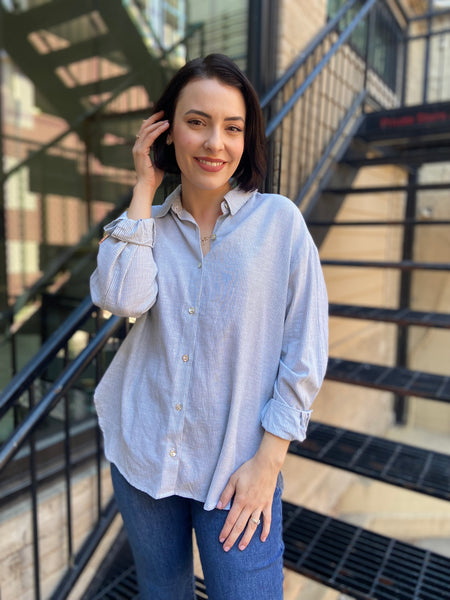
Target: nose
{"type": "Point", "coordinates": [214, 140]}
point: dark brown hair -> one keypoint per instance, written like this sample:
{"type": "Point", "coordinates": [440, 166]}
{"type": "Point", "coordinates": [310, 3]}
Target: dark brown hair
{"type": "Point", "coordinates": [252, 168]}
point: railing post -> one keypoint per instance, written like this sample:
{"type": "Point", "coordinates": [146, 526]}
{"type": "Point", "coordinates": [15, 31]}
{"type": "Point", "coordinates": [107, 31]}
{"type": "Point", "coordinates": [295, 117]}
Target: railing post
{"type": "Point", "coordinates": [369, 43]}
{"type": "Point", "coordinates": [426, 70]}
{"type": "Point", "coordinates": [405, 63]}
{"type": "Point", "coordinates": [400, 402]}
{"type": "Point", "coordinates": [262, 43]}
{"type": "Point", "coordinates": [4, 309]}
{"type": "Point", "coordinates": [87, 133]}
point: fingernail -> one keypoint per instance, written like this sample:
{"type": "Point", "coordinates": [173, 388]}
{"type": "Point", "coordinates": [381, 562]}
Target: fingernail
{"type": "Point", "coordinates": [226, 548]}
{"type": "Point", "coordinates": [221, 540]}
{"type": "Point", "coordinates": [219, 505]}
{"type": "Point", "coordinates": [263, 539]}
{"type": "Point", "coordinates": [241, 547]}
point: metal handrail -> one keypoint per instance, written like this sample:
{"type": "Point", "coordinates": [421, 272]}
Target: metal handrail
{"type": "Point", "coordinates": [277, 119]}
{"type": "Point", "coordinates": [57, 390]}
{"type": "Point", "coordinates": [310, 48]}
{"type": "Point", "coordinates": [47, 352]}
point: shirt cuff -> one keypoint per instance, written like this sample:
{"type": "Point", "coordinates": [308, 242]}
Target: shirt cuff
{"type": "Point", "coordinates": [141, 232]}
{"type": "Point", "coordinates": [284, 421]}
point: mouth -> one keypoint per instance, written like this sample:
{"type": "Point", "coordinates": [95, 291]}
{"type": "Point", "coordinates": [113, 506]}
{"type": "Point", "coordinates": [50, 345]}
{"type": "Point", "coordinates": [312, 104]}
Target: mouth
{"type": "Point", "coordinates": [210, 164]}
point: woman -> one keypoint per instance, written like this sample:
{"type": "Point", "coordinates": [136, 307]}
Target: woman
{"type": "Point", "coordinates": [228, 351]}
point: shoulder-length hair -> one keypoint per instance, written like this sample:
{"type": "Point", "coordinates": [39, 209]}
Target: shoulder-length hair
{"type": "Point", "coordinates": [251, 170]}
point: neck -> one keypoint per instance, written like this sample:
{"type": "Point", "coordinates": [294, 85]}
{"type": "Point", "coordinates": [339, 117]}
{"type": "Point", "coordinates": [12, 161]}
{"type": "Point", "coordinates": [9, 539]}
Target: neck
{"type": "Point", "coordinates": [203, 205]}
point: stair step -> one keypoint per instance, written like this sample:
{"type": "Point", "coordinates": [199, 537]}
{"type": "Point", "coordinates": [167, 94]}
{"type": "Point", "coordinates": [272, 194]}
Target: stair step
{"type": "Point", "coordinates": [386, 189]}
{"type": "Point", "coordinates": [400, 316]}
{"type": "Point", "coordinates": [54, 13]}
{"type": "Point", "coordinates": [392, 462]}
{"type": "Point", "coordinates": [416, 156]}
{"type": "Point", "coordinates": [350, 559]}
{"type": "Point", "coordinates": [101, 86]}
{"type": "Point", "coordinates": [399, 380]}
{"type": "Point", "coordinates": [358, 562]}
{"type": "Point", "coordinates": [394, 222]}
{"type": "Point", "coordinates": [103, 44]}
{"type": "Point", "coordinates": [405, 265]}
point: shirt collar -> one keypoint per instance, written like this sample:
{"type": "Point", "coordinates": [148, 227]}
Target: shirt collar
{"type": "Point", "coordinates": [234, 200]}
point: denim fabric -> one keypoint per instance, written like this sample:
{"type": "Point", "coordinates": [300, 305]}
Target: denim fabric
{"type": "Point", "coordinates": [160, 535]}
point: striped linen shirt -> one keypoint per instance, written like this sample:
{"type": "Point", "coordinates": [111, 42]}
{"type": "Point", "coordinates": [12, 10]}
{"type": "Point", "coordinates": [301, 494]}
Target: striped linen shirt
{"type": "Point", "coordinates": [225, 345]}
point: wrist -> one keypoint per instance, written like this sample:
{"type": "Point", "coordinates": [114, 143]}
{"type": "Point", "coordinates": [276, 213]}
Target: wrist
{"type": "Point", "coordinates": [273, 450]}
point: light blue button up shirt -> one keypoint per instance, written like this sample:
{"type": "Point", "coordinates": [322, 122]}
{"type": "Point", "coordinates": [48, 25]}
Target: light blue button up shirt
{"type": "Point", "coordinates": [225, 345]}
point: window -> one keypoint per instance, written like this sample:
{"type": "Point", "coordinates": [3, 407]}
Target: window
{"type": "Point", "coordinates": [387, 39]}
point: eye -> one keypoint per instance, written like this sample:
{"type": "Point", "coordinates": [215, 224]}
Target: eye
{"type": "Point", "coordinates": [235, 129]}
{"type": "Point", "coordinates": [195, 122]}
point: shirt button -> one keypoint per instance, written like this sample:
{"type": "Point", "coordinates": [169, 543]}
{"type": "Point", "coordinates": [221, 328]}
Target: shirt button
{"type": "Point", "coordinates": [191, 310]}
{"type": "Point", "coordinates": [178, 406]}
{"type": "Point", "coordinates": [185, 357]}
{"type": "Point", "coordinates": [213, 237]}
{"type": "Point", "coordinates": [172, 452]}
{"type": "Point", "coordinates": [199, 266]}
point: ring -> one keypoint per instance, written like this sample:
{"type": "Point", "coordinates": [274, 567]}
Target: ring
{"type": "Point", "coordinates": [255, 521]}
{"type": "Point", "coordinates": [137, 136]}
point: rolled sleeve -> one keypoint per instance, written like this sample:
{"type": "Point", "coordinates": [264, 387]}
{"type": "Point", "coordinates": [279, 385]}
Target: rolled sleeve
{"type": "Point", "coordinates": [124, 281]}
{"type": "Point", "coordinates": [304, 353]}
{"type": "Point", "coordinates": [141, 232]}
{"type": "Point", "coordinates": [284, 421]}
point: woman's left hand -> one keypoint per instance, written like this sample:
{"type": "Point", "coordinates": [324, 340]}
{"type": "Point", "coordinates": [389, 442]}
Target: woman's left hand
{"type": "Point", "coordinates": [253, 486]}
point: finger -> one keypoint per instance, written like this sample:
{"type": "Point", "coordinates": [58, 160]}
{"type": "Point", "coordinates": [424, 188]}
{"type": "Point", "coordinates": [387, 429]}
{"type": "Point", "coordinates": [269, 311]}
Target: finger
{"type": "Point", "coordinates": [227, 494]}
{"type": "Point", "coordinates": [252, 526]}
{"type": "Point", "coordinates": [230, 522]}
{"type": "Point", "coordinates": [267, 521]}
{"type": "Point", "coordinates": [150, 132]}
{"type": "Point", "coordinates": [236, 531]}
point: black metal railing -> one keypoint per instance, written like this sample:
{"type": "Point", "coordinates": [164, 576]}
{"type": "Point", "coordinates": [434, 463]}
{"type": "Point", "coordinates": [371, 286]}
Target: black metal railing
{"type": "Point", "coordinates": [314, 108]}
{"type": "Point", "coordinates": [42, 407]}
{"type": "Point", "coordinates": [315, 105]}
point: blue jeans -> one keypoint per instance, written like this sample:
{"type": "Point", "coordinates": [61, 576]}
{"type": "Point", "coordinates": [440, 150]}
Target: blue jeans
{"type": "Point", "coordinates": [160, 535]}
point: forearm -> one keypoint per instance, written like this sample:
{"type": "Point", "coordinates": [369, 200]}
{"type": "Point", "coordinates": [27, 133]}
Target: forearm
{"type": "Point", "coordinates": [272, 451]}
{"type": "Point", "coordinates": [141, 203]}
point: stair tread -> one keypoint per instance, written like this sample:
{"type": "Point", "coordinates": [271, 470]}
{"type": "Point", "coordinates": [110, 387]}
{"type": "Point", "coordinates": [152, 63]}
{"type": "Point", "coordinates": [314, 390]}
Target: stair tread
{"type": "Point", "coordinates": [400, 380]}
{"type": "Point", "coordinates": [54, 13]}
{"type": "Point", "coordinates": [81, 50]}
{"type": "Point", "coordinates": [348, 558]}
{"type": "Point", "coordinates": [401, 316]}
{"type": "Point", "coordinates": [392, 462]}
{"type": "Point", "coordinates": [404, 265]}
{"type": "Point", "coordinates": [101, 86]}
{"type": "Point", "coordinates": [359, 562]}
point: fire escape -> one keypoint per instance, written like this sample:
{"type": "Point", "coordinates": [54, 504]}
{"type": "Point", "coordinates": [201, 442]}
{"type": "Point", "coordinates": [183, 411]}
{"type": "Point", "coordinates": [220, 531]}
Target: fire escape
{"type": "Point", "coordinates": [332, 101]}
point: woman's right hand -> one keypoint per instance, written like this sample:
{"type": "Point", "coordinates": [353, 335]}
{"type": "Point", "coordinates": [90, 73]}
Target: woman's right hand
{"type": "Point", "coordinates": [148, 176]}
{"type": "Point", "coordinates": [147, 173]}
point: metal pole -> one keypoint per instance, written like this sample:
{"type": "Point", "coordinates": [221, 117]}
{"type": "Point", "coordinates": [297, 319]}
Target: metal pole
{"type": "Point", "coordinates": [4, 309]}
{"type": "Point", "coordinates": [426, 70]}
{"type": "Point", "coordinates": [400, 402]}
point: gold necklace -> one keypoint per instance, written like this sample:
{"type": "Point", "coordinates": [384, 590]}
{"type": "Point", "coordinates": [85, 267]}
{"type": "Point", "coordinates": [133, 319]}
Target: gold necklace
{"type": "Point", "coordinates": [207, 238]}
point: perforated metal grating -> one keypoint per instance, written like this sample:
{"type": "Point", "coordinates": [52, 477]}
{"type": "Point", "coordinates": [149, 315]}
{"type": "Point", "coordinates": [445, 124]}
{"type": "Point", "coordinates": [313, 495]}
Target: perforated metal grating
{"type": "Point", "coordinates": [394, 379]}
{"type": "Point", "coordinates": [398, 464]}
{"type": "Point", "coordinates": [400, 316]}
{"type": "Point", "coordinates": [363, 564]}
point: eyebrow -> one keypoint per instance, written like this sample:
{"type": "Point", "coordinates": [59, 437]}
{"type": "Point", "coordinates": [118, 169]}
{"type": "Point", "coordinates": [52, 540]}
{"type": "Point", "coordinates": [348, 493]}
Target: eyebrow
{"type": "Point", "coordinates": [203, 114]}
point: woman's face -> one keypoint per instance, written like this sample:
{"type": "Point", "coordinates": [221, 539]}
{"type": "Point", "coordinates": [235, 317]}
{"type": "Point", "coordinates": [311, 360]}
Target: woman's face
{"type": "Point", "coordinates": [208, 134]}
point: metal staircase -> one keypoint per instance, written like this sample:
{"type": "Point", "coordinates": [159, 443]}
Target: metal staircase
{"type": "Point", "coordinates": [98, 66]}
{"type": "Point", "coordinates": [52, 43]}
{"type": "Point", "coordinates": [356, 561]}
